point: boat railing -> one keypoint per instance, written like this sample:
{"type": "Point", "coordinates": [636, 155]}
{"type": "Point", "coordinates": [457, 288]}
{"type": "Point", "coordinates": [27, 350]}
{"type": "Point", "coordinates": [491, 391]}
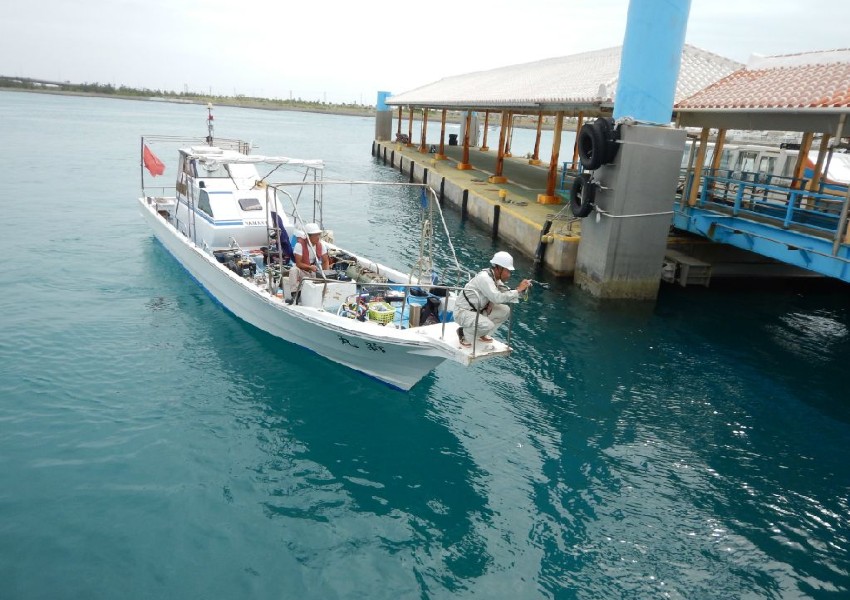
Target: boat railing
{"type": "Point", "coordinates": [159, 193]}
{"type": "Point", "coordinates": [449, 290]}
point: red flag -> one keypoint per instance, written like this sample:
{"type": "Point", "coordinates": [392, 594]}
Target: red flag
{"type": "Point", "coordinates": [152, 163]}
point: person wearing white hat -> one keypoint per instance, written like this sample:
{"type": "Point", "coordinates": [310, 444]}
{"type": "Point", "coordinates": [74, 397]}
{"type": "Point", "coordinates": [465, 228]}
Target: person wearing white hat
{"type": "Point", "coordinates": [486, 297]}
{"type": "Point", "coordinates": [310, 256]}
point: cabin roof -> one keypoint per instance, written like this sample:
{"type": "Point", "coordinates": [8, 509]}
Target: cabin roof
{"type": "Point", "coordinates": [216, 156]}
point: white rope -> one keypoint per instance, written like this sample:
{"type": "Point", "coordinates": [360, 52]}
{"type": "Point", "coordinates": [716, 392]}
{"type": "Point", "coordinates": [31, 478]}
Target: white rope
{"type": "Point", "coordinates": [436, 202]}
{"type": "Point", "coordinates": [655, 214]}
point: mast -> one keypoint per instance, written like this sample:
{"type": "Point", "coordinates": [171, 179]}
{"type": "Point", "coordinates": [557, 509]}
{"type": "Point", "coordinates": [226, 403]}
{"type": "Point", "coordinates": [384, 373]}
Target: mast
{"type": "Point", "coordinates": [209, 124]}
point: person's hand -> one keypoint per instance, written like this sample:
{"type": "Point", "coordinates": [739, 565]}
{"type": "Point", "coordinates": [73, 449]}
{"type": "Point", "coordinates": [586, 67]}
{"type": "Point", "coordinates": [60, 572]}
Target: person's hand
{"type": "Point", "coordinates": [523, 285]}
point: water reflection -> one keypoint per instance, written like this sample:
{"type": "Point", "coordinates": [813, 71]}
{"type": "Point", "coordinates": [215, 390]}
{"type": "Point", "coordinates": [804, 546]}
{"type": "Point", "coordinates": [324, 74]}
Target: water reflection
{"type": "Point", "coordinates": [344, 458]}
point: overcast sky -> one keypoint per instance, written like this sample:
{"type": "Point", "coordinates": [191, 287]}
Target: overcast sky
{"type": "Point", "coordinates": [345, 51]}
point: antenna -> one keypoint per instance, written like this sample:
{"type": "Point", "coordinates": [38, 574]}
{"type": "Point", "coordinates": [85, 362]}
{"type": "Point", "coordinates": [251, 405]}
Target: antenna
{"type": "Point", "coordinates": [210, 127]}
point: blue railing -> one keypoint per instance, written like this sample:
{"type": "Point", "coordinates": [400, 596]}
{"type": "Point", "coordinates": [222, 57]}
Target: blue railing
{"type": "Point", "coordinates": [782, 200]}
{"type": "Point", "coordinates": [569, 171]}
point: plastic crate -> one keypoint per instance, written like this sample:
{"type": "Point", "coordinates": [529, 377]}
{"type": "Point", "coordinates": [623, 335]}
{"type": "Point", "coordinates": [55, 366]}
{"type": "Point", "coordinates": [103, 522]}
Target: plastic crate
{"type": "Point", "coordinates": [381, 312]}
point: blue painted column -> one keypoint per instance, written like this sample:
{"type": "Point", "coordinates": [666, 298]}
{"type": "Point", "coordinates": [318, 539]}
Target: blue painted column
{"type": "Point", "coordinates": [382, 100]}
{"type": "Point", "coordinates": [652, 55]}
{"type": "Point", "coordinates": [383, 118]}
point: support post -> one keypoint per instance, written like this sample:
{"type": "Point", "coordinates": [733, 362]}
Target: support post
{"type": "Point", "coordinates": [509, 135]}
{"type": "Point", "coordinates": [579, 123]}
{"type": "Point", "coordinates": [441, 155]}
{"type": "Point", "coordinates": [423, 141]}
{"type": "Point", "coordinates": [464, 164]}
{"type": "Point", "coordinates": [549, 197]}
{"type": "Point", "coordinates": [497, 177]}
{"type": "Point", "coordinates": [697, 184]}
{"type": "Point", "coordinates": [535, 158]}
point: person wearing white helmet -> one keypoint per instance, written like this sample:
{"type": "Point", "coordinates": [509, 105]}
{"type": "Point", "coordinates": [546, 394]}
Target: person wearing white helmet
{"type": "Point", "coordinates": [310, 256]}
{"type": "Point", "coordinates": [485, 297]}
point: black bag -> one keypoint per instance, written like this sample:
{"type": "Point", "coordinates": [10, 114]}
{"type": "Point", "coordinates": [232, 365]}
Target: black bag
{"type": "Point", "coordinates": [430, 314]}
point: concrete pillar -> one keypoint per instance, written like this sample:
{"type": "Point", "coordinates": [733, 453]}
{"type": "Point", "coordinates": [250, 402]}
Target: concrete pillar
{"type": "Point", "coordinates": [383, 118]}
{"type": "Point", "coordinates": [624, 240]}
{"type": "Point", "coordinates": [623, 244]}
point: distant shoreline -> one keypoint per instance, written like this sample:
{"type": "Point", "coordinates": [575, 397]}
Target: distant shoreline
{"type": "Point", "coordinates": [521, 121]}
{"type": "Point", "coordinates": [334, 110]}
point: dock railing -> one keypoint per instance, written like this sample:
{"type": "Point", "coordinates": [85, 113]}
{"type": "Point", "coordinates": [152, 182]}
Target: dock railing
{"type": "Point", "coordinates": [783, 201]}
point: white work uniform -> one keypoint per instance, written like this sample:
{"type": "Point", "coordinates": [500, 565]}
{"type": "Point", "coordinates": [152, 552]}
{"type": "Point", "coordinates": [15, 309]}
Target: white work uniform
{"type": "Point", "coordinates": [483, 289]}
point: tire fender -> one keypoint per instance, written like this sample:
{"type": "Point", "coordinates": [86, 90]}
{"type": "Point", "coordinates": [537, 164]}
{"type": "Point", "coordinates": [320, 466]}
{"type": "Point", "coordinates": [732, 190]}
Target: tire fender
{"type": "Point", "coordinates": [591, 146]}
{"type": "Point", "coordinates": [582, 196]}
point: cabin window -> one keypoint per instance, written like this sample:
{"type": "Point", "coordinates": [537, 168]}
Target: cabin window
{"type": "Point", "coordinates": [766, 164]}
{"type": "Point", "coordinates": [242, 171]}
{"type": "Point", "coordinates": [250, 204]}
{"type": "Point", "coordinates": [726, 159]}
{"type": "Point", "coordinates": [746, 162]}
{"type": "Point", "coordinates": [204, 202]}
{"type": "Point", "coordinates": [788, 167]}
{"type": "Point", "coordinates": [188, 167]}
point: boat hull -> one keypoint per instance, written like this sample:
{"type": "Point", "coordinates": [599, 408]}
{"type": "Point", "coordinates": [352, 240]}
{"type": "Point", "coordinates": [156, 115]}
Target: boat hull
{"type": "Point", "coordinates": [399, 358]}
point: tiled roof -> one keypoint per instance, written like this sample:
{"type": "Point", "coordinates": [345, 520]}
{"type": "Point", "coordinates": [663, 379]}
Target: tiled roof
{"type": "Point", "coordinates": [792, 81]}
{"type": "Point", "coordinates": [583, 79]}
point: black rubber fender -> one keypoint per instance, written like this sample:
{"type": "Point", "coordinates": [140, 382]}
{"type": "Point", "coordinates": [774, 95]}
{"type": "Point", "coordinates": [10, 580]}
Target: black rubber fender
{"type": "Point", "coordinates": [591, 146]}
{"type": "Point", "coordinates": [610, 135]}
{"type": "Point", "coordinates": [582, 196]}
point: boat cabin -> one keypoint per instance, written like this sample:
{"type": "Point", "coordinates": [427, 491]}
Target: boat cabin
{"type": "Point", "coordinates": [221, 199]}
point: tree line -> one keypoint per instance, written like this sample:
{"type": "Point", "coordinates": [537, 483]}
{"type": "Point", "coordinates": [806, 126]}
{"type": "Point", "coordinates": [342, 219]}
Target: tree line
{"type": "Point", "coordinates": [122, 91]}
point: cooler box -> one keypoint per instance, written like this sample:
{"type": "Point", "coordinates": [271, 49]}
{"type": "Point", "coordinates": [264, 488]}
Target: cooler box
{"type": "Point", "coordinates": [328, 295]}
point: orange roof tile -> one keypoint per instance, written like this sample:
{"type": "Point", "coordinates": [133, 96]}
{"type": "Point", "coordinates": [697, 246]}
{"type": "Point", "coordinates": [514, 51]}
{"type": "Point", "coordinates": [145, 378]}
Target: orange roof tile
{"type": "Point", "coordinates": [792, 82]}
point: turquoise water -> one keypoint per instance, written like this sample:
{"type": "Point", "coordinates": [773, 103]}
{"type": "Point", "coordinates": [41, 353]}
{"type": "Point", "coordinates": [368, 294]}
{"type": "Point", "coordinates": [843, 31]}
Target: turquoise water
{"type": "Point", "coordinates": [153, 446]}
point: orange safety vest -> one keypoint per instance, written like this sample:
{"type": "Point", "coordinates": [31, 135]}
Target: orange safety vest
{"type": "Point", "coordinates": [305, 250]}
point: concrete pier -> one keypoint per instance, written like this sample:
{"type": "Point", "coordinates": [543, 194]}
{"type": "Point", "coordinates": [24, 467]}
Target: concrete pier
{"type": "Point", "coordinates": [522, 220]}
{"type": "Point", "coordinates": [509, 210]}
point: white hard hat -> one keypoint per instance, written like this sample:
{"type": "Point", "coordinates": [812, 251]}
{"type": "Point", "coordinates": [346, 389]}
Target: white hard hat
{"type": "Point", "coordinates": [311, 228]}
{"type": "Point", "coordinates": [503, 259]}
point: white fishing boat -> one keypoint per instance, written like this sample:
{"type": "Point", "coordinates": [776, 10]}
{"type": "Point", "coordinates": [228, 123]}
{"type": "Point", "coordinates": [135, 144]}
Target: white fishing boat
{"type": "Point", "coordinates": [229, 221]}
